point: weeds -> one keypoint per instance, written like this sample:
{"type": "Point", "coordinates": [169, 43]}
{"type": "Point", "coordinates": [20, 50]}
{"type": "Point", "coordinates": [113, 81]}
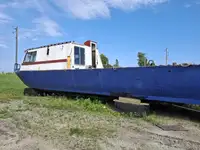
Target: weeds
{"type": "Point", "coordinates": [196, 107]}
{"type": "Point", "coordinates": [5, 113]}
{"type": "Point", "coordinates": [86, 132]}
{"type": "Point", "coordinates": [74, 105]}
{"type": "Point", "coordinates": [12, 88]}
{"type": "Point", "coordinates": [73, 124]}
{"type": "Point", "coordinates": [155, 119]}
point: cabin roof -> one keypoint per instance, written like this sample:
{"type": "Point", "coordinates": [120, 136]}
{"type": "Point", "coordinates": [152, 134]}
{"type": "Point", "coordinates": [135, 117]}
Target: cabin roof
{"type": "Point", "coordinates": [60, 43]}
{"type": "Point", "coordinates": [49, 45]}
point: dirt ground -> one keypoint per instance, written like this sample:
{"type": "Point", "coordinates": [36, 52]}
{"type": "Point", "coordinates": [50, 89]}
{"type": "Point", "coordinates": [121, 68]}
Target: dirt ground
{"type": "Point", "coordinates": [23, 127]}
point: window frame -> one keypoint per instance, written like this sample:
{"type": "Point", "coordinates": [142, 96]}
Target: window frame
{"type": "Point", "coordinates": [32, 54]}
{"type": "Point", "coordinates": [81, 55]}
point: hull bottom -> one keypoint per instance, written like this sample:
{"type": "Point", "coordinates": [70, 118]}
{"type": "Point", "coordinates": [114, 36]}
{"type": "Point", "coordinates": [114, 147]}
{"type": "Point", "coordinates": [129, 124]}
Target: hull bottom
{"type": "Point", "coordinates": [117, 95]}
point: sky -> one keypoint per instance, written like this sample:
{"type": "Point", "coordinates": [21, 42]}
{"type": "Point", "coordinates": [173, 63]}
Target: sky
{"type": "Point", "coordinates": [122, 28]}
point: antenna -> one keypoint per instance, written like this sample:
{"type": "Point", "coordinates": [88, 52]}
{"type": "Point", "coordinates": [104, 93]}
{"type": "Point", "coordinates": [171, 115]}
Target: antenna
{"type": "Point", "coordinates": [166, 56]}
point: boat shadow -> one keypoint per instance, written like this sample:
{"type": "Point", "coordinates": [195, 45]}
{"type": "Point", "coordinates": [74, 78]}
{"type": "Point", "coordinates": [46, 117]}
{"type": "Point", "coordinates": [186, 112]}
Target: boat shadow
{"type": "Point", "coordinates": [160, 109]}
{"type": "Point", "coordinates": [174, 111]}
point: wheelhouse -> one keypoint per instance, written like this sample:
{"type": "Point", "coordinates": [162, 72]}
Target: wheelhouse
{"type": "Point", "coordinates": [68, 55]}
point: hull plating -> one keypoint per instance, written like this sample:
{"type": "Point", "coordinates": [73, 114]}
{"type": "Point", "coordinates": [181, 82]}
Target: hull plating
{"type": "Point", "coordinates": [169, 84]}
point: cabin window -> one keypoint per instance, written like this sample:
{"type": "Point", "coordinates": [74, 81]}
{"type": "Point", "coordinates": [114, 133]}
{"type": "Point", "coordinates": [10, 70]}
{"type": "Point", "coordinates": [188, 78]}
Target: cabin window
{"type": "Point", "coordinates": [47, 50]}
{"type": "Point", "coordinates": [30, 57]}
{"type": "Point", "coordinates": [79, 55]}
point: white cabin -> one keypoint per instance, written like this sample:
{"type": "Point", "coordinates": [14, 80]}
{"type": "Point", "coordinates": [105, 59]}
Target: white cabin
{"type": "Point", "coordinates": [62, 56]}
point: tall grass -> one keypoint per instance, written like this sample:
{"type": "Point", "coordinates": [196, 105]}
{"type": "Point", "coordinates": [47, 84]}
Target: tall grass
{"type": "Point", "coordinates": [70, 104]}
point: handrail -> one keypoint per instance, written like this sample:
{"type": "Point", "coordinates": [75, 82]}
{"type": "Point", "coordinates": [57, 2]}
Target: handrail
{"type": "Point", "coordinates": [17, 67]}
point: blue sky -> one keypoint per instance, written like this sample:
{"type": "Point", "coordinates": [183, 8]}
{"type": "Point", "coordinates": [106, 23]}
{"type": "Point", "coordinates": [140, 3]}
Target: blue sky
{"type": "Point", "coordinates": [121, 27]}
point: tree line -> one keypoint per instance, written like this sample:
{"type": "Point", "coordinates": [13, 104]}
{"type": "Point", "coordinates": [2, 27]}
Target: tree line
{"type": "Point", "coordinates": [142, 61]}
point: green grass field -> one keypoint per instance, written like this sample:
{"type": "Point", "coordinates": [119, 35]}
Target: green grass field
{"type": "Point", "coordinates": [10, 87]}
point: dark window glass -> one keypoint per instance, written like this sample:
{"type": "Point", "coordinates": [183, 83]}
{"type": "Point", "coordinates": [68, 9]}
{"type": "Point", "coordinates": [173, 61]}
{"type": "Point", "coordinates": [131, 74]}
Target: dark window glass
{"type": "Point", "coordinates": [82, 56]}
{"type": "Point", "coordinates": [76, 55]}
{"type": "Point", "coordinates": [79, 55]}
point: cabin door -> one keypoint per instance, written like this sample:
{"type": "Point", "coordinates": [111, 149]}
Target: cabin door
{"type": "Point", "coordinates": [93, 55]}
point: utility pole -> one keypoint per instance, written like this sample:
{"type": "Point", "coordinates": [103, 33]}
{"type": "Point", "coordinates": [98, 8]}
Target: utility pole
{"type": "Point", "coordinates": [166, 56]}
{"type": "Point", "coordinates": [16, 52]}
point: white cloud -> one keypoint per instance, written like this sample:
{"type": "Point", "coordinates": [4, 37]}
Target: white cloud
{"type": "Point", "coordinates": [197, 2]}
{"type": "Point", "coordinates": [2, 6]}
{"type": "Point", "coordinates": [28, 33]}
{"type": "Point", "coordinates": [4, 18]}
{"type": "Point", "coordinates": [133, 4]}
{"type": "Point", "coordinates": [85, 9]}
{"type": "Point", "coordinates": [43, 26]}
{"type": "Point", "coordinates": [3, 45]}
{"type": "Point", "coordinates": [89, 9]}
{"type": "Point", "coordinates": [47, 26]}
{"type": "Point", "coordinates": [187, 5]}
{"type": "Point", "coordinates": [41, 6]}
{"type": "Point", "coordinates": [20, 4]}
{"type": "Point", "coordinates": [82, 9]}
{"type": "Point", "coordinates": [35, 39]}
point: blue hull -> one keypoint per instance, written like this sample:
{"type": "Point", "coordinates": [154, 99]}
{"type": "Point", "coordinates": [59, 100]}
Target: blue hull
{"type": "Point", "coordinates": [168, 84]}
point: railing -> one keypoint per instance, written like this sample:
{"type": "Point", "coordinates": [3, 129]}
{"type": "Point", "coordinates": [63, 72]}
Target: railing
{"type": "Point", "coordinates": [16, 67]}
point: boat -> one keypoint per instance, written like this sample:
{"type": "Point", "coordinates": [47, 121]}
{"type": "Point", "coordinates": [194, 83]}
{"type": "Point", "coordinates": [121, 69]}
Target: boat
{"type": "Point", "coordinates": [77, 68]}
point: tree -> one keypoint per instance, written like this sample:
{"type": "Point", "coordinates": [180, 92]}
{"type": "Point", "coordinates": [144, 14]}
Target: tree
{"type": "Point", "coordinates": [116, 65]}
{"type": "Point", "coordinates": [105, 61]}
{"type": "Point", "coordinates": [143, 61]}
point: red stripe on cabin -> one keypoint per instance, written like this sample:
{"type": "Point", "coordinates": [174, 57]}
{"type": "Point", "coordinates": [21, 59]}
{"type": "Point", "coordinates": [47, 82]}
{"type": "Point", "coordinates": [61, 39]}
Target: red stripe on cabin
{"type": "Point", "coordinates": [44, 62]}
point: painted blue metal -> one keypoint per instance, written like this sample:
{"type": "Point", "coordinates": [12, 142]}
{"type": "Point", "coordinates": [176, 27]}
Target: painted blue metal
{"type": "Point", "coordinates": [163, 83]}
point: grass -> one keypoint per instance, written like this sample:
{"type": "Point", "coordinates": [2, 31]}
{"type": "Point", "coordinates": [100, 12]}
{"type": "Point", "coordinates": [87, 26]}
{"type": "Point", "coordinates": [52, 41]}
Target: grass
{"type": "Point", "coordinates": [90, 132]}
{"type": "Point", "coordinates": [197, 107]}
{"type": "Point", "coordinates": [75, 124]}
{"type": "Point", "coordinates": [71, 105]}
{"type": "Point", "coordinates": [155, 119]}
{"type": "Point", "coordinates": [5, 113]}
{"type": "Point", "coordinates": [10, 87]}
